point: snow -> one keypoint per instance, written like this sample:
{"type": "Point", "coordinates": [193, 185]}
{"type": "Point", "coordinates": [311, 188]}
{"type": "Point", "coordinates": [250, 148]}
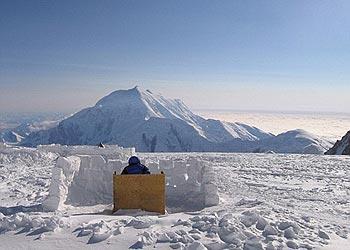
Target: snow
{"type": "Point", "coordinates": [143, 120]}
{"type": "Point", "coordinates": [85, 180]}
{"type": "Point", "coordinates": [61, 181]}
{"type": "Point", "coordinates": [106, 151]}
{"type": "Point", "coordinates": [295, 141]}
{"type": "Point", "coordinates": [267, 201]}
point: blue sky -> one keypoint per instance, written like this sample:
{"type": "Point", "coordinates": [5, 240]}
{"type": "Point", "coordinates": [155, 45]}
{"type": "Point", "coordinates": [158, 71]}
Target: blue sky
{"type": "Point", "coordinates": [268, 55]}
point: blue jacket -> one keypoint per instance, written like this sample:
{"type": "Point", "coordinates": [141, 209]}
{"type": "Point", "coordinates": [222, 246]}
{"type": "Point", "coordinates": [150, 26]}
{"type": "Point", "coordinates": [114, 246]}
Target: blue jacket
{"type": "Point", "coordinates": [135, 167]}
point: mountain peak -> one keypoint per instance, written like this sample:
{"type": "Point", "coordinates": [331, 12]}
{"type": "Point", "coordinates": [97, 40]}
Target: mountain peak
{"type": "Point", "coordinates": [121, 97]}
{"type": "Point", "coordinates": [136, 89]}
{"type": "Point", "coordinates": [145, 104]}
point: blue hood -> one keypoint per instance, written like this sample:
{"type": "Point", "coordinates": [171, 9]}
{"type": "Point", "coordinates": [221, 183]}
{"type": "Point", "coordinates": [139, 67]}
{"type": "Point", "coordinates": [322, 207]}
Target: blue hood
{"type": "Point", "coordinates": [134, 160]}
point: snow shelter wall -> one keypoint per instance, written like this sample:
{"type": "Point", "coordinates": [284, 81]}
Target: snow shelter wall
{"type": "Point", "coordinates": [85, 180]}
{"type": "Point", "coordinates": [109, 151]}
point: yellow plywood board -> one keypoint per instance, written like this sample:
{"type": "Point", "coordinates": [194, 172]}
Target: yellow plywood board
{"type": "Point", "coordinates": [146, 192]}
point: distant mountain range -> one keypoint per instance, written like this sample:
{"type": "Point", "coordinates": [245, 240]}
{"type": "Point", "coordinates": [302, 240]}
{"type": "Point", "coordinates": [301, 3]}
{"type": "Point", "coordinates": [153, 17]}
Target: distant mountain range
{"type": "Point", "coordinates": [341, 147]}
{"type": "Point", "coordinates": [152, 123]}
{"type": "Point", "coordinates": [16, 135]}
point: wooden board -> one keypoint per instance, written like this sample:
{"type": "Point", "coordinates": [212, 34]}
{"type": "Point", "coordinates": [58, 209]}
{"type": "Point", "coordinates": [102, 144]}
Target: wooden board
{"type": "Point", "coordinates": [146, 192]}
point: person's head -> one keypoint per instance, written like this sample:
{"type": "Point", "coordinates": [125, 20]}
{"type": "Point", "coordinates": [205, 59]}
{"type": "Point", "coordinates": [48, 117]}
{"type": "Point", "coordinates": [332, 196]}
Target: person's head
{"type": "Point", "coordinates": [133, 160]}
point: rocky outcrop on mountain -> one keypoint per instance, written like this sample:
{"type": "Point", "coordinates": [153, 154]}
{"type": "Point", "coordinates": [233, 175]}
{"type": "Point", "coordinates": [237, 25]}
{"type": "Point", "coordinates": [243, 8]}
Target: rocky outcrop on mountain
{"type": "Point", "coordinates": [10, 136]}
{"type": "Point", "coordinates": [341, 147]}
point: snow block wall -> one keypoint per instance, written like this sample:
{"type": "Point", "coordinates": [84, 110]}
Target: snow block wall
{"type": "Point", "coordinates": [109, 151]}
{"type": "Point", "coordinates": [61, 181]}
{"type": "Point", "coordinates": [82, 175]}
{"type": "Point", "coordinates": [84, 180]}
{"type": "Point", "coordinates": [190, 184]}
{"type": "Point", "coordinates": [7, 149]}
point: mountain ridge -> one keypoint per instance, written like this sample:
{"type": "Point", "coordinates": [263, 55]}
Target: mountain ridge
{"type": "Point", "coordinates": [341, 147]}
{"type": "Point", "coordinates": [150, 122]}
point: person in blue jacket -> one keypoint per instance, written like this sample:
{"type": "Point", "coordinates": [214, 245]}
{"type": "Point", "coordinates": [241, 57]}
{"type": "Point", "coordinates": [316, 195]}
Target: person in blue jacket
{"type": "Point", "coordinates": [135, 167]}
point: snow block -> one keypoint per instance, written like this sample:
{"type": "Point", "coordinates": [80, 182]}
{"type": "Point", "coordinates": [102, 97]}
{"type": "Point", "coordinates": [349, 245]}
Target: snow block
{"type": "Point", "coordinates": [116, 165]}
{"type": "Point", "coordinates": [211, 197]}
{"type": "Point", "coordinates": [190, 185]}
{"type": "Point", "coordinates": [86, 180]}
{"type": "Point", "coordinates": [194, 170]}
{"type": "Point", "coordinates": [83, 180]}
{"type": "Point", "coordinates": [166, 164]}
{"type": "Point", "coordinates": [62, 177]}
{"type": "Point", "coordinates": [109, 151]}
{"type": "Point", "coordinates": [92, 185]}
{"type": "Point", "coordinates": [153, 167]}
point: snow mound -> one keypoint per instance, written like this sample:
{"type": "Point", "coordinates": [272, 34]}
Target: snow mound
{"type": "Point", "coordinates": [33, 225]}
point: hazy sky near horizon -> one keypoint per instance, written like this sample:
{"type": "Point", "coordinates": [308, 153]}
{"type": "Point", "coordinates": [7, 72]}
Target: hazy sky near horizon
{"type": "Point", "coordinates": [256, 55]}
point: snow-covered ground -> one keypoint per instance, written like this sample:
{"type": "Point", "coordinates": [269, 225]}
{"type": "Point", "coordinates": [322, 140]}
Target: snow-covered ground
{"type": "Point", "coordinates": [266, 201]}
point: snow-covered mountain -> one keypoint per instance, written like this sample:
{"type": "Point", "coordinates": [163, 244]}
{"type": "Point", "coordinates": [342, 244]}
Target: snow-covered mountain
{"type": "Point", "coordinates": [146, 121]}
{"type": "Point", "coordinates": [151, 123]}
{"type": "Point", "coordinates": [341, 147]}
{"type": "Point", "coordinates": [295, 141]}
{"type": "Point", "coordinates": [10, 136]}
{"type": "Point", "coordinates": [16, 135]}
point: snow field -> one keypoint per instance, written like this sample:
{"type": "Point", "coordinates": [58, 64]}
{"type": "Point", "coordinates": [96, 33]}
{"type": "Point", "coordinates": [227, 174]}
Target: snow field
{"type": "Point", "coordinates": [294, 201]}
{"type": "Point", "coordinates": [24, 176]}
{"type": "Point", "coordinates": [267, 201]}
